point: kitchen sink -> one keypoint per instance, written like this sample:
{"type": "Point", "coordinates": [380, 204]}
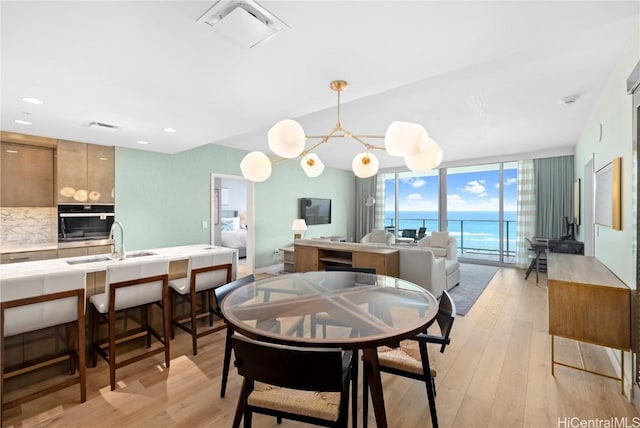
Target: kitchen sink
{"type": "Point", "coordinates": [88, 260]}
{"type": "Point", "coordinates": [141, 254]}
{"type": "Point", "coordinates": [95, 259]}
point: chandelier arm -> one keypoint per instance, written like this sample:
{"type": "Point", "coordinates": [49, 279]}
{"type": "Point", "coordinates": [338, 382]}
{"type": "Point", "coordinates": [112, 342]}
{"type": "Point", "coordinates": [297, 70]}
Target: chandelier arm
{"type": "Point", "coordinates": [359, 139]}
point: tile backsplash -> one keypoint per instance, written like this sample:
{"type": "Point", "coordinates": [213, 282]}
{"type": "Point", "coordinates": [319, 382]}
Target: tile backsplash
{"type": "Point", "coordinates": [31, 225]}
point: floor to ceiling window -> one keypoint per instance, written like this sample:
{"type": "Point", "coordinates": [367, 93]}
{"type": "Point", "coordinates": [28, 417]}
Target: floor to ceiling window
{"type": "Point", "coordinates": [411, 203]}
{"type": "Point", "coordinates": [480, 208]}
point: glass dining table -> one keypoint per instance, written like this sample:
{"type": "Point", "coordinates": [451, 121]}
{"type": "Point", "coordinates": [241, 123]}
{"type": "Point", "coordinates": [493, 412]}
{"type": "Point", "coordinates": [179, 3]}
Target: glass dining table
{"type": "Point", "coordinates": [359, 311]}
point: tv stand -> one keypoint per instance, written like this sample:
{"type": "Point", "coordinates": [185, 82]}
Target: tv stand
{"type": "Point", "coordinates": [314, 255]}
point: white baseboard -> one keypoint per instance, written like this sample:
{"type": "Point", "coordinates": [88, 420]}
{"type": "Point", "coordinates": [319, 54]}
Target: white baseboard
{"type": "Point", "coordinates": [267, 269]}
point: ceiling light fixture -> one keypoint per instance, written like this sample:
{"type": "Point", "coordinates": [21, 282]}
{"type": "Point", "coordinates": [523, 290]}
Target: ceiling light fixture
{"type": "Point", "coordinates": [143, 142]}
{"type": "Point", "coordinates": [170, 130]}
{"type": "Point", "coordinates": [32, 100]}
{"type": "Point", "coordinates": [287, 139]}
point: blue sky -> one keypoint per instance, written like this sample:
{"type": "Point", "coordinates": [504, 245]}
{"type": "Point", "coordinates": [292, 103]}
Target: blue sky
{"type": "Point", "coordinates": [466, 191]}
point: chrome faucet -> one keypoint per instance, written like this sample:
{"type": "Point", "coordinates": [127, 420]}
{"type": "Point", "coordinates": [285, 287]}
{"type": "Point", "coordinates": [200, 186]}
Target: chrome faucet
{"type": "Point", "coordinates": [122, 254]}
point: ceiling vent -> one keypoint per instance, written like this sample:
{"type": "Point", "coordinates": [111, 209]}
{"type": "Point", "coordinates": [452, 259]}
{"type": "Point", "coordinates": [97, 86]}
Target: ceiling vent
{"type": "Point", "coordinates": [243, 22]}
{"type": "Point", "coordinates": [103, 127]}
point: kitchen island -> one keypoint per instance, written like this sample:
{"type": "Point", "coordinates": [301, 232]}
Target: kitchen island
{"type": "Point", "coordinates": [43, 344]}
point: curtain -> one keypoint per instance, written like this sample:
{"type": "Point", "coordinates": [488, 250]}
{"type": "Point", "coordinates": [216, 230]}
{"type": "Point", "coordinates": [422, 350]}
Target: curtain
{"type": "Point", "coordinates": [379, 207]}
{"type": "Point", "coordinates": [526, 211]}
{"type": "Point", "coordinates": [365, 215]}
{"type": "Point", "coordinates": [554, 195]}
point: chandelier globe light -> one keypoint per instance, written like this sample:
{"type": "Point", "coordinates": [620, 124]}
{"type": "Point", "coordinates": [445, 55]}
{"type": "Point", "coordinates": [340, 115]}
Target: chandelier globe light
{"type": "Point", "coordinates": [287, 140]}
{"type": "Point", "coordinates": [312, 165]}
{"type": "Point", "coordinates": [426, 156]}
{"type": "Point", "coordinates": [256, 166]}
{"type": "Point", "coordinates": [365, 165]}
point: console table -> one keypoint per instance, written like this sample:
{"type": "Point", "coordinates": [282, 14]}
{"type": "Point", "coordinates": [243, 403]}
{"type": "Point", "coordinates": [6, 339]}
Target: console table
{"type": "Point", "coordinates": [314, 255]}
{"type": "Point", "coordinates": [588, 303]}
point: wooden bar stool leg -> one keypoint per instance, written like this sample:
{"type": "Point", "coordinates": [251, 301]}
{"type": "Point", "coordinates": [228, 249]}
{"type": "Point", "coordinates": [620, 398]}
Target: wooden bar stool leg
{"type": "Point", "coordinates": [194, 334]}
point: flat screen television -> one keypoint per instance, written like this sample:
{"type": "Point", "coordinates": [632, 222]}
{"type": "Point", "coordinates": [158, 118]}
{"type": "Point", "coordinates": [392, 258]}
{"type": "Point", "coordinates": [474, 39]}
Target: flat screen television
{"type": "Point", "coordinates": [315, 210]}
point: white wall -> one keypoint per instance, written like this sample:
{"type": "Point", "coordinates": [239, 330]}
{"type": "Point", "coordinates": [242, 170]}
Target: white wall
{"type": "Point", "coordinates": [613, 111]}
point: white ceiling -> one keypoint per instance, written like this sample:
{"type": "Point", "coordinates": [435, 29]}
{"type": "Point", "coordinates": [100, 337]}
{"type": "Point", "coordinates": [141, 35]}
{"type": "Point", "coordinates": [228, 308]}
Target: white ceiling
{"type": "Point", "coordinates": [484, 78]}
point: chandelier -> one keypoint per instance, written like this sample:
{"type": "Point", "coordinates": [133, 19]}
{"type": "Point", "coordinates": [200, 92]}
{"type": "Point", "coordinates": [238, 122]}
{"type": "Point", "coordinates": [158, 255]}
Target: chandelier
{"type": "Point", "coordinates": [288, 140]}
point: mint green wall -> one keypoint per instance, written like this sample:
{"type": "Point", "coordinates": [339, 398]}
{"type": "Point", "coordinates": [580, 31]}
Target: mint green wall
{"type": "Point", "coordinates": [614, 111]}
{"type": "Point", "coordinates": [163, 199]}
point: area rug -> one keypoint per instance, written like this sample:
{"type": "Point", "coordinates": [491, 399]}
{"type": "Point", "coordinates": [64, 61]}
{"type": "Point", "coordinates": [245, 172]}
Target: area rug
{"type": "Point", "coordinates": [473, 280]}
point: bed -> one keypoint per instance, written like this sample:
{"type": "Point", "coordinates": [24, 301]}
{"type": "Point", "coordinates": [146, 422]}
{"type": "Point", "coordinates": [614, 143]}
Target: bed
{"type": "Point", "coordinates": [233, 232]}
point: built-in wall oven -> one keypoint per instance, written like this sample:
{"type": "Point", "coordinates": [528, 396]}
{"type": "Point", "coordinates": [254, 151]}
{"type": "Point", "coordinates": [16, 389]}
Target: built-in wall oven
{"type": "Point", "coordinates": [82, 225]}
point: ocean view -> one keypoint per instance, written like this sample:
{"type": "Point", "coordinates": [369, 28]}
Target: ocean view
{"type": "Point", "coordinates": [476, 231]}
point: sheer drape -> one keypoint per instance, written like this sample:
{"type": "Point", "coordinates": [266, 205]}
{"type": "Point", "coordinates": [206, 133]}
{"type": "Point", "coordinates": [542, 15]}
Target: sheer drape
{"type": "Point", "coordinates": [526, 211]}
{"type": "Point", "coordinates": [365, 215]}
{"type": "Point", "coordinates": [554, 195]}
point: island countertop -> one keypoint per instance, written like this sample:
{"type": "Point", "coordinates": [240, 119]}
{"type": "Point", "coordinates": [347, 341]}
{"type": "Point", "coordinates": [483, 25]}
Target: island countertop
{"type": "Point", "coordinates": [100, 262]}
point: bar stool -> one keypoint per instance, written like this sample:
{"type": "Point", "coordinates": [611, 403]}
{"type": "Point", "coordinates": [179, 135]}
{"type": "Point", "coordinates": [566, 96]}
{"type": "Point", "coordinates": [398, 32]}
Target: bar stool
{"type": "Point", "coordinates": [205, 272]}
{"type": "Point", "coordinates": [131, 285]}
{"type": "Point", "coordinates": [38, 302]}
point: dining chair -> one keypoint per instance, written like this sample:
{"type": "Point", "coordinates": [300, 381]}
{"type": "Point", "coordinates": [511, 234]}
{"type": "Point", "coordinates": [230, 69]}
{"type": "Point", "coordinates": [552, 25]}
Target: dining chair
{"type": "Point", "coordinates": [310, 385]}
{"type": "Point", "coordinates": [422, 232]}
{"type": "Point", "coordinates": [37, 302]}
{"type": "Point", "coordinates": [220, 293]}
{"type": "Point", "coordinates": [411, 358]}
{"type": "Point", "coordinates": [205, 272]}
{"type": "Point", "coordinates": [128, 285]}
{"type": "Point", "coordinates": [538, 258]}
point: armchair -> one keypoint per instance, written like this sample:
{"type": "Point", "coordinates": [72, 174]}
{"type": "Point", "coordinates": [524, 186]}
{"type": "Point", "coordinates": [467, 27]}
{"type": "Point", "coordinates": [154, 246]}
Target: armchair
{"type": "Point", "coordinates": [379, 236]}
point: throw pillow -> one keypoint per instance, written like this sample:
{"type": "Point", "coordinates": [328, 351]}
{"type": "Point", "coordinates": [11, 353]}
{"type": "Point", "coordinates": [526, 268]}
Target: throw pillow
{"type": "Point", "coordinates": [439, 239]}
{"type": "Point", "coordinates": [379, 236]}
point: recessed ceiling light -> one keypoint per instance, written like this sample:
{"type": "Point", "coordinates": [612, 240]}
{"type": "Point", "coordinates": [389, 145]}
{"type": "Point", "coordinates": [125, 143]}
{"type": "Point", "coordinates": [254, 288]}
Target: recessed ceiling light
{"type": "Point", "coordinates": [143, 142]}
{"type": "Point", "coordinates": [169, 130]}
{"type": "Point", "coordinates": [32, 100]}
{"type": "Point", "coordinates": [23, 122]}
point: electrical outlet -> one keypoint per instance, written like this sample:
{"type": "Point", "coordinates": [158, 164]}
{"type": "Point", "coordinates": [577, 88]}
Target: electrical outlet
{"type": "Point", "coordinates": [276, 251]}
{"type": "Point", "coordinates": [204, 224]}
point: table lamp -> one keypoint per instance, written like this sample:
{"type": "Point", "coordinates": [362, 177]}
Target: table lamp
{"type": "Point", "coordinates": [298, 225]}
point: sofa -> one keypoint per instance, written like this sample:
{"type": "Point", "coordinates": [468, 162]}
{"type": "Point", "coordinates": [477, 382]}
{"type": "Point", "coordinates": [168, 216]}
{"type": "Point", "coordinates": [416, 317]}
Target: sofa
{"type": "Point", "coordinates": [432, 263]}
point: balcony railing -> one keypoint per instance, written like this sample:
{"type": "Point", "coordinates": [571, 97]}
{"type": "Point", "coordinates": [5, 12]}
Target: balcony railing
{"type": "Point", "coordinates": [476, 238]}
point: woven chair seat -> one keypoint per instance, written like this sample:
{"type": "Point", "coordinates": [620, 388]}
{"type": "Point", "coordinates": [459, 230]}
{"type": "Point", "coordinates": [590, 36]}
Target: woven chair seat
{"type": "Point", "coordinates": [406, 357]}
{"type": "Point", "coordinates": [323, 405]}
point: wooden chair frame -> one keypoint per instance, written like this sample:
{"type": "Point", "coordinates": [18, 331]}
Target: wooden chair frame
{"type": "Point", "coordinates": [188, 324]}
{"type": "Point", "coordinates": [310, 369]}
{"type": "Point", "coordinates": [76, 352]}
{"type": "Point", "coordinates": [444, 318]}
{"type": "Point", "coordinates": [107, 348]}
{"type": "Point", "coordinates": [220, 293]}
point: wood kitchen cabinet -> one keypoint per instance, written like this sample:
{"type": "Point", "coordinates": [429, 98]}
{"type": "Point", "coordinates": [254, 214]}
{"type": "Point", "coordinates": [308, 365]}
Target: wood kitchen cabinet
{"type": "Point", "coordinates": [26, 175]}
{"type": "Point", "coordinates": [28, 256]}
{"type": "Point", "coordinates": [85, 173]}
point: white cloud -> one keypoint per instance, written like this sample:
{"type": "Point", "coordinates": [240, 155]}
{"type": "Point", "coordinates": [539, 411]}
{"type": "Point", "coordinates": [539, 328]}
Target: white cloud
{"type": "Point", "coordinates": [419, 182]}
{"type": "Point", "coordinates": [475, 187]}
{"type": "Point", "coordinates": [414, 197]}
{"type": "Point", "coordinates": [455, 201]}
{"type": "Point", "coordinates": [510, 181]}
{"type": "Point", "coordinates": [483, 194]}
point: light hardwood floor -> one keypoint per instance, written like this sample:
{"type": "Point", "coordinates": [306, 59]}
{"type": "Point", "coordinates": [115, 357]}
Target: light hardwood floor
{"type": "Point", "coordinates": [496, 373]}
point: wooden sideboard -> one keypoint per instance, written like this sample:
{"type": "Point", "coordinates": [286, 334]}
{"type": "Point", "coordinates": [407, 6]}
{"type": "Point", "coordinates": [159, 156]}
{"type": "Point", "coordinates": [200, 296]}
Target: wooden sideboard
{"type": "Point", "coordinates": [588, 303]}
{"type": "Point", "coordinates": [314, 255]}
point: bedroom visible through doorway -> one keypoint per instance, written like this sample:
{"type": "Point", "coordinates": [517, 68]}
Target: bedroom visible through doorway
{"type": "Point", "coordinates": [232, 218]}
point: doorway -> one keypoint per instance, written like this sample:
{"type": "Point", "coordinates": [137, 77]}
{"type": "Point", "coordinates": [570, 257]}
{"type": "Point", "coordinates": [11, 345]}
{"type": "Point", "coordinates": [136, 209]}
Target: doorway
{"type": "Point", "coordinates": [232, 218]}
